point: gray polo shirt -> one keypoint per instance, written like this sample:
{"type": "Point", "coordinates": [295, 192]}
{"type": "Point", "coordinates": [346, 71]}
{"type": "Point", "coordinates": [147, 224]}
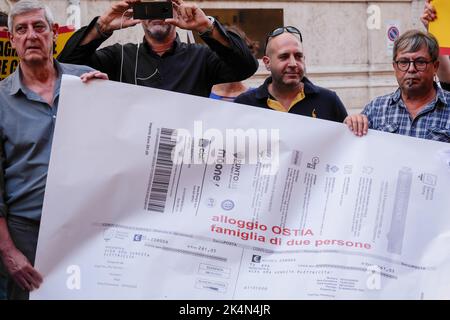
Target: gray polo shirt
{"type": "Point", "coordinates": [27, 123]}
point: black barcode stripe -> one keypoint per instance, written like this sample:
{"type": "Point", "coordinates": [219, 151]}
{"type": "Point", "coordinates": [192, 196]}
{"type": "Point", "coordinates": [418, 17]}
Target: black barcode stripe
{"type": "Point", "coordinates": [163, 171]}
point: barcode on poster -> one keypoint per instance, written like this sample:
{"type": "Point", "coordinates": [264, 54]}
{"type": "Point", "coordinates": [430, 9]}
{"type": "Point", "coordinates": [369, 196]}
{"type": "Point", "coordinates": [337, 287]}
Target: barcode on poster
{"type": "Point", "coordinates": [162, 171]}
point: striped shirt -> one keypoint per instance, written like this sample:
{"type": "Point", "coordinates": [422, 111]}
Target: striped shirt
{"type": "Point", "coordinates": [389, 114]}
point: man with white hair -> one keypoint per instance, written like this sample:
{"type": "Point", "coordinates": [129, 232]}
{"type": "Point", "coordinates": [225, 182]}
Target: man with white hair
{"type": "Point", "coordinates": [28, 108]}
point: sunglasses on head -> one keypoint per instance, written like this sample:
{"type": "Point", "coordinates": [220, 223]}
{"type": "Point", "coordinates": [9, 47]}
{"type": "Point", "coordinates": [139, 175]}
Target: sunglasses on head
{"type": "Point", "coordinates": [281, 30]}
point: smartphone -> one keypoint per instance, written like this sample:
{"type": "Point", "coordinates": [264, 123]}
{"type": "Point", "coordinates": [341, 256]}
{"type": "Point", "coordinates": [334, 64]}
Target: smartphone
{"type": "Point", "coordinates": [152, 10]}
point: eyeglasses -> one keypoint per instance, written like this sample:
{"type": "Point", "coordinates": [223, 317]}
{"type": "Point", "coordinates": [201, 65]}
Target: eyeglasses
{"type": "Point", "coordinates": [281, 30]}
{"type": "Point", "coordinates": [419, 65]}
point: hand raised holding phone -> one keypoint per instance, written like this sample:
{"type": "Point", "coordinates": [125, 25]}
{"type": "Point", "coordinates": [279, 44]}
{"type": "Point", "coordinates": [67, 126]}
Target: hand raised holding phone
{"type": "Point", "coordinates": [119, 16]}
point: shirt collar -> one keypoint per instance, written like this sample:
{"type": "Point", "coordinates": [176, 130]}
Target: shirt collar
{"type": "Point", "coordinates": [175, 45]}
{"type": "Point", "coordinates": [263, 91]}
{"type": "Point", "coordinates": [440, 96]}
{"type": "Point", "coordinates": [274, 104]}
{"type": "Point", "coordinates": [16, 84]}
{"type": "Point", "coordinates": [395, 97]}
{"type": "Point", "coordinates": [16, 81]}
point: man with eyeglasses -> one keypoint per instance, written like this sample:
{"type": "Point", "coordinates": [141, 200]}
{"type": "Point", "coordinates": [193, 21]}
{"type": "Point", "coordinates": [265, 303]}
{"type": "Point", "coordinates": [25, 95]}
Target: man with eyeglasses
{"type": "Point", "coordinates": [419, 107]}
{"type": "Point", "coordinates": [287, 89]}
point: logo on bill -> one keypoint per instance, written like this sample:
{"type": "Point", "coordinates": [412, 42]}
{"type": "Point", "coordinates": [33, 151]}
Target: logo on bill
{"type": "Point", "coordinates": [227, 205]}
{"type": "Point", "coordinates": [312, 165]}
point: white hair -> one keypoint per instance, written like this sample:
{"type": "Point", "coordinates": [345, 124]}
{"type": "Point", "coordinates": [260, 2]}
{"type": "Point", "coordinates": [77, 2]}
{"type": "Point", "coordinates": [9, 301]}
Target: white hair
{"type": "Point", "coordinates": [24, 6]}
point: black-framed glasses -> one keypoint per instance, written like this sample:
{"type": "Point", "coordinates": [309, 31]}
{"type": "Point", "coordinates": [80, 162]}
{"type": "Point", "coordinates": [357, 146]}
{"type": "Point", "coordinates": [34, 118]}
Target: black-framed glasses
{"type": "Point", "coordinates": [419, 64]}
{"type": "Point", "coordinates": [281, 30]}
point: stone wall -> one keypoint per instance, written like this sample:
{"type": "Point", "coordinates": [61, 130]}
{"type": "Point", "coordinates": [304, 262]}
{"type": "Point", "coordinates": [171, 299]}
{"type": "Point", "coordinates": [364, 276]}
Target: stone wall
{"type": "Point", "coordinates": [346, 42]}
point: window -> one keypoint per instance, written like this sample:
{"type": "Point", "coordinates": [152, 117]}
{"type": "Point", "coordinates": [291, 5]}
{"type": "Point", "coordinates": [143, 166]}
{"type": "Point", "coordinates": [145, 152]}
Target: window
{"type": "Point", "coordinates": [255, 23]}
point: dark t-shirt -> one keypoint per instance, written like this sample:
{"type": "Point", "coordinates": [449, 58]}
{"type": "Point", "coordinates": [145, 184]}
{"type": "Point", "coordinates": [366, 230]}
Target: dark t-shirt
{"type": "Point", "coordinates": [445, 86]}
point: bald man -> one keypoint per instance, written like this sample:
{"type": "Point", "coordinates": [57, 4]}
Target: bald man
{"type": "Point", "coordinates": [287, 89]}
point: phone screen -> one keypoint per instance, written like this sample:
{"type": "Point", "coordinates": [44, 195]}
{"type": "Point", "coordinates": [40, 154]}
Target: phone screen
{"type": "Point", "coordinates": [152, 10]}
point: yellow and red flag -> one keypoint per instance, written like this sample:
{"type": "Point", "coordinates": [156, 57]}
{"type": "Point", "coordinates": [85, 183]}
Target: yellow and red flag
{"type": "Point", "coordinates": [440, 28]}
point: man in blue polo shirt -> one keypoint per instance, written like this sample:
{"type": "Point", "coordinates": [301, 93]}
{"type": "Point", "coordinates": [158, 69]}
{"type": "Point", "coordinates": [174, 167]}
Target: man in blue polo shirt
{"type": "Point", "coordinates": [287, 89]}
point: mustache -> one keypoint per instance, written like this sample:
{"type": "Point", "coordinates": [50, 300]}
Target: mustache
{"type": "Point", "coordinates": [292, 70]}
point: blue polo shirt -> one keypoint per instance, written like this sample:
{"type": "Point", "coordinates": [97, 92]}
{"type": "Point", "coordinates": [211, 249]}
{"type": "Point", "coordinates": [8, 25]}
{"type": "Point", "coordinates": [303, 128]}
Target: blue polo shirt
{"type": "Point", "coordinates": [27, 123]}
{"type": "Point", "coordinates": [317, 102]}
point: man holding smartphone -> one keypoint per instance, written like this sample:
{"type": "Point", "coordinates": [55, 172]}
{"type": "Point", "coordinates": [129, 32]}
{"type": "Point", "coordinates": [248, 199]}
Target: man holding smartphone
{"type": "Point", "coordinates": [162, 60]}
